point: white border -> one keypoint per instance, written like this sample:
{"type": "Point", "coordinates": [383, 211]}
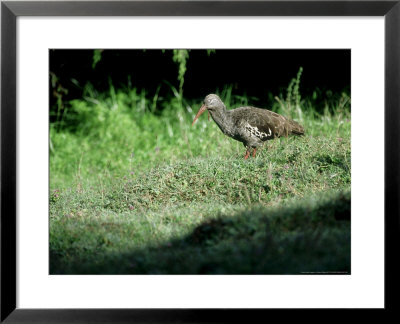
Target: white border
{"type": "Point", "coordinates": [363, 288]}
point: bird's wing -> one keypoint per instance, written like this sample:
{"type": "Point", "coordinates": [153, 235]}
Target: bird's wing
{"type": "Point", "coordinates": [263, 123]}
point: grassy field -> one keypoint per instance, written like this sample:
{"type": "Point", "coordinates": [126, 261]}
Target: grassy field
{"type": "Point", "coordinates": [134, 188]}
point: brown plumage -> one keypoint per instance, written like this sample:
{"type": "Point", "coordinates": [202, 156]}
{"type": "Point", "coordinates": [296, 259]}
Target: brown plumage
{"type": "Point", "coordinates": [249, 125]}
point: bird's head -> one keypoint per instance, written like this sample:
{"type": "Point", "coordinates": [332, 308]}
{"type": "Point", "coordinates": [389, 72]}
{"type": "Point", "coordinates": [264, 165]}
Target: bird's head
{"type": "Point", "coordinates": [211, 103]}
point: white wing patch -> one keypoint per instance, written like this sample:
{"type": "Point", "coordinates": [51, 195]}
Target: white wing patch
{"type": "Point", "coordinates": [254, 131]}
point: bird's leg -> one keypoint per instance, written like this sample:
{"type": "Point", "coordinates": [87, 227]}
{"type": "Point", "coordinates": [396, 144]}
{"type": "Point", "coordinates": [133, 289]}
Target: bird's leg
{"type": "Point", "coordinates": [254, 152]}
{"type": "Point", "coordinates": [247, 154]}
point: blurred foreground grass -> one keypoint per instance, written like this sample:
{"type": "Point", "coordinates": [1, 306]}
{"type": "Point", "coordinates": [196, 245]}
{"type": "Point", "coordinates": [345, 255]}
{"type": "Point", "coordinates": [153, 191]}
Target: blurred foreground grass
{"type": "Point", "coordinates": [136, 189]}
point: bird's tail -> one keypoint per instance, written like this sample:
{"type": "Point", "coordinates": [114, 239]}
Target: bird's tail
{"type": "Point", "coordinates": [295, 128]}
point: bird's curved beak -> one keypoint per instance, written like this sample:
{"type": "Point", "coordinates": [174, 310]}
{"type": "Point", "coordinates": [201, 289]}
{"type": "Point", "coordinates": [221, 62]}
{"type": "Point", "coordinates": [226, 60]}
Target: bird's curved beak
{"type": "Point", "coordinates": [202, 109]}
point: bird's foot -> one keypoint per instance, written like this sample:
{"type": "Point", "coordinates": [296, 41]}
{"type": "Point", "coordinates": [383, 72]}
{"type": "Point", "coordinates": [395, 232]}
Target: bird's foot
{"type": "Point", "coordinates": [247, 155]}
{"type": "Point", "coordinates": [254, 152]}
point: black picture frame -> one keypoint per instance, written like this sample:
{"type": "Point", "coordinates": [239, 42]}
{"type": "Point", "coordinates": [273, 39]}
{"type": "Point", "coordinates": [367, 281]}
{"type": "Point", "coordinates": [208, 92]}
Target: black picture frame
{"type": "Point", "coordinates": [10, 10]}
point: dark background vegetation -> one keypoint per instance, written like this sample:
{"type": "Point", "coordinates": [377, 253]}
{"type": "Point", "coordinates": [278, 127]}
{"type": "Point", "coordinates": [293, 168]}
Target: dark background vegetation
{"type": "Point", "coordinates": [255, 73]}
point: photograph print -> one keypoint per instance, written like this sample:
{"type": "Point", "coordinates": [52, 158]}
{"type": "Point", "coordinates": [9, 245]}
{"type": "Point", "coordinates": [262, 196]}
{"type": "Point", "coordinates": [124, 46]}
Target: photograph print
{"type": "Point", "coordinates": [200, 161]}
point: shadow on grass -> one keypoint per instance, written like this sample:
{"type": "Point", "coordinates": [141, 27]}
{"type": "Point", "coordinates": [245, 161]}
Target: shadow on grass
{"type": "Point", "coordinates": [309, 236]}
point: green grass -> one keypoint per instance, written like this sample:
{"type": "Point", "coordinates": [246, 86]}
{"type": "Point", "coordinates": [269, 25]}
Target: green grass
{"type": "Point", "coordinates": [136, 189]}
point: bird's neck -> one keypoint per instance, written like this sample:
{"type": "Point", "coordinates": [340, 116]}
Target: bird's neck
{"type": "Point", "coordinates": [223, 119]}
